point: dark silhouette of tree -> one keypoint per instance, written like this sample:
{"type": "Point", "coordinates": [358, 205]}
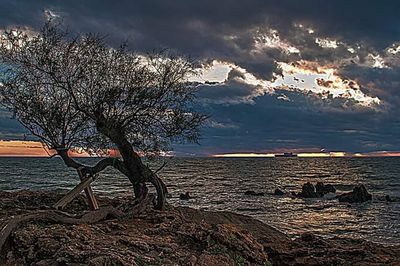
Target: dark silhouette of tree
{"type": "Point", "coordinates": [77, 92]}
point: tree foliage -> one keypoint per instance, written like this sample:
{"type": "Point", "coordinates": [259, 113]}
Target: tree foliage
{"type": "Point", "coordinates": [76, 91]}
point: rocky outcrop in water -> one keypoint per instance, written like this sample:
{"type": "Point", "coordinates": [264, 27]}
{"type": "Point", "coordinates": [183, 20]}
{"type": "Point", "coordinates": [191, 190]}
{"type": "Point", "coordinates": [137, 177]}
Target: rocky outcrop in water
{"type": "Point", "coordinates": [279, 192]}
{"type": "Point", "coordinates": [388, 198]}
{"type": "Point", "coordinates": [358, 195]}
{"type": "Point", "coordinates": [185, 196]}
{"type": "Point", "coordinates": [176, 236]}
{"type": "Point", "coordinates": [322, 189]}
{"type": "Point", "coordinates": [308, 191]}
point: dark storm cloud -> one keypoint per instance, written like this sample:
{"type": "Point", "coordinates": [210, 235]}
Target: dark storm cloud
{"type": "Point", "coordinates": [380, 82]}
{"type": "Point", "coordinates": [270, 124]}
{"type": "Point", "coordinates": [244, 116]}
{"type": "Point", "coordinates": [201, 28]}
{"type": "Point", "coordinates": [10, 128]}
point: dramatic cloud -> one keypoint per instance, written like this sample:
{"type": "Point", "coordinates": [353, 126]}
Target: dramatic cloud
{"type": "Point", "coordinates": [275, 75]}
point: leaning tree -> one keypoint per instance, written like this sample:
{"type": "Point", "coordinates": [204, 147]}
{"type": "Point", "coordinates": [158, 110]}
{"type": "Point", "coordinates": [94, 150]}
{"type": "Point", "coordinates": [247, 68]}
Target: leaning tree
{"type": "Point", "coordinates": [76, 92]}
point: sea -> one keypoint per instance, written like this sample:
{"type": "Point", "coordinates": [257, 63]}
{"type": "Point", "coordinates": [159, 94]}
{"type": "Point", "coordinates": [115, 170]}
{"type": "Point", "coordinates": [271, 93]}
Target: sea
{"type": "Point", "coordinates": [220, 184]}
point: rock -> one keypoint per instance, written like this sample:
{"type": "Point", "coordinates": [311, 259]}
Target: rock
{"type": "Point", "coordinates": [46, 247]}
{"type": "Point", "coordinates": [135, 244]}
{"type": "Point", "coordinates": [250, 192]}
{"type": "Point", "coordinates": [253, 193]}
{"type": "Point", "coordinates": [185, 237]}
{"type": "Point", "coordinates": [358, 195]}
{"type": "Point", "coordinates": [308, 191]}
{"type": "Point", "coordinates": [279, 192]}
{"type": "Point", "coordinates": [209, 259]}
{"type": "Point", "coordinates": [322, 189]}
{"type": "Point", "coordinates": [106, 260]}
{"type": "Point", "coordinates": [319, 188]}
{"type": "Point", "coordinates": [388, 198]}
{"type": "Point", "coordinates": [185, 196]}
{"type": "Point", "coordinates": [330, 189]}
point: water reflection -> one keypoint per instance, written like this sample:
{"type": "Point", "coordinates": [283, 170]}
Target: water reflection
{"type": "Point", "coordinates": [219, 184]}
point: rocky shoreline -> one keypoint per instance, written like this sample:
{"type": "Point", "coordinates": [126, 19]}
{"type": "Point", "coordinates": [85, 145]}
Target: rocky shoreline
{"type": "Point", "coordinates": [176, 236]}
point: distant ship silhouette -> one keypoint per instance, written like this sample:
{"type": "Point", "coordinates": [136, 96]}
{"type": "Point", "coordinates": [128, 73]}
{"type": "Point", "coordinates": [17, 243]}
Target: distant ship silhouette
{"type": "Point", "coordinates": [286, 154]}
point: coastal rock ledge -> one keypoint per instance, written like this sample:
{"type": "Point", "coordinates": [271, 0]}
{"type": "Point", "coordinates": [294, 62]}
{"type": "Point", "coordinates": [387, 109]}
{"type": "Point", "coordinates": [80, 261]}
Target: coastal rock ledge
{"type": "Point", "coordinates": [176, 236]}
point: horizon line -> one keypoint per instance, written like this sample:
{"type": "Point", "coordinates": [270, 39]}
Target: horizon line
{"type": "Point", "coordinates": [30, 148]}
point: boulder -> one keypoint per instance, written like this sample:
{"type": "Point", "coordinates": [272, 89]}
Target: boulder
{"type": "Point", "coordinates": [388, 198]}
{"type": "Point", "coordinates": [185, 196]}
{"type": "Point", "coordinates": [322, 189]}
{"type": "Point", "coordinates": [358, 195]}
{"type": "Point", "coordinates": [330, 189]}
{"type": "Point", "coordinates": [279, 192]}
{"type": "Point", "coordinates": [308, 191]}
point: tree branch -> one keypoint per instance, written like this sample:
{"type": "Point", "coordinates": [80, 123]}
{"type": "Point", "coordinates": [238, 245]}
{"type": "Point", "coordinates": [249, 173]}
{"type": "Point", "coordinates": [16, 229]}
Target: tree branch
{"type": "Point", "coordinates": [91, 170]}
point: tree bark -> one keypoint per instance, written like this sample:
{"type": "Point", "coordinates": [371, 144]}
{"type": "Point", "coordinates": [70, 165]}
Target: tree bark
{"type": "Point", "coordinates": [160, 187]}
{"type": "Point", "coordinates": [131, 166]}
{"type": "Point", "coordinates": [92, 170]}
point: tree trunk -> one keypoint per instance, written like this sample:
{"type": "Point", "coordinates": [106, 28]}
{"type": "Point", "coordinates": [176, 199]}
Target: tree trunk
{"type": "Point", "coordinates": [131, 166]}
{"type": "Point", "coordinates": [159, 186]}
{"type": "Point", "coordinates": [137, 172]}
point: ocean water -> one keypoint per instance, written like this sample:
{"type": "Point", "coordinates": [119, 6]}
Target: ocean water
{"type": "Point", "coordinates": [219, 184]}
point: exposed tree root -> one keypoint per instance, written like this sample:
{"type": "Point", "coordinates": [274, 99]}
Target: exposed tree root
{"type": "Point", "coordinates": [161, 189]}
{"type": "Point", "coordinates": [136, 207]}
{"type": "Point", "coordinates": [55, 216]}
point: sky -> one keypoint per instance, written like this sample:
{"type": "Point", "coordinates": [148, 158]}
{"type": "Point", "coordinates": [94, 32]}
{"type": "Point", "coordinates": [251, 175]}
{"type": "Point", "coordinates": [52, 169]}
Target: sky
{"type": "Point", "coordinates": [305, 76]}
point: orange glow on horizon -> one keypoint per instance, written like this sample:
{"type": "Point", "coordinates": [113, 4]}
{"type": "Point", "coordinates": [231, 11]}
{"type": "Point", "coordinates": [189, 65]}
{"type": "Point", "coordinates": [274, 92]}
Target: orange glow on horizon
{"type": "Point", "coordinates": [18, 148]}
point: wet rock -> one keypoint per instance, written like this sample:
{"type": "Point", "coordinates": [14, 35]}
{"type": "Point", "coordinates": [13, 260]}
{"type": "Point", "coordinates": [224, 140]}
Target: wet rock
{"type": "Point", "coordinates": [322, 189]}
{"type": "Point", "coordinates": [308, 191]}
{"type": "Point", "coordinates": [185, 196]}
{"type": "Point", "coordinates": [253, 193]}
{"type": "Point", "coordinates": [388, 198]}
{"type": "Point", "coordinates": [279, 192]}
{"type": "Point", "coordinates": [358, 195]}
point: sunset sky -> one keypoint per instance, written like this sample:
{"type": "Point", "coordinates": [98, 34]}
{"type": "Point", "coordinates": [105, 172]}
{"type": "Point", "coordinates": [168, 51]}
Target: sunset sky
{"type": "Point", "coordinates": [319, 77]}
